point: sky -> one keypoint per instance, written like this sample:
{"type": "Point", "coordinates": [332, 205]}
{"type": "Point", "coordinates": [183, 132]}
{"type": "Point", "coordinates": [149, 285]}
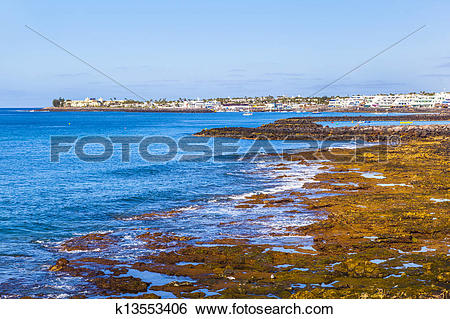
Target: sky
{"type": "Point", "coordinates": [207, 48]}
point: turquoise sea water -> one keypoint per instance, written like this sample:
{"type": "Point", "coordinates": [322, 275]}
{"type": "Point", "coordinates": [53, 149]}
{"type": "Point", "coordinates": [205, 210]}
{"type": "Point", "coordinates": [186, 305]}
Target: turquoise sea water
{"type": "Point", "coordinates": [44, 203]}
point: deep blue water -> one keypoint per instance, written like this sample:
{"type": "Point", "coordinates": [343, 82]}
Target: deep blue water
{"type": "Point", "coordinates": [43, 203]}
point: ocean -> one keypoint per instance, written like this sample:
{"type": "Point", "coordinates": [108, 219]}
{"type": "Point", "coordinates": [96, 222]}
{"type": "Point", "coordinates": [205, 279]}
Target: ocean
{"type": "Point", "coordinates": [45, 203]}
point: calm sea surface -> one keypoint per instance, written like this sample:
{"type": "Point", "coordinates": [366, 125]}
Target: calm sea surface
{"type": "Point", "coordinates": [44, 203]}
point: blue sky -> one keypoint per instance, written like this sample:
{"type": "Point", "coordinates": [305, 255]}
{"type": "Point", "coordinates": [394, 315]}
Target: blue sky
{"type": "Point", "coordinates": [199, 48]}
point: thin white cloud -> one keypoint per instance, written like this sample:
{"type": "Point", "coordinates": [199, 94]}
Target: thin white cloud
{"type": "Point", "coordinates": [64, 75]}
{"type": "Point", "coordinates": [437, 75]}
{"type": "Point", "coordinates": [287, 74]}
{"type": "Point", "coordinates": [444, 65]}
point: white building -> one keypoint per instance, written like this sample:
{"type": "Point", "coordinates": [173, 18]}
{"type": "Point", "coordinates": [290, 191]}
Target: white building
{"type": "Point", "coordinates": [393, 100]}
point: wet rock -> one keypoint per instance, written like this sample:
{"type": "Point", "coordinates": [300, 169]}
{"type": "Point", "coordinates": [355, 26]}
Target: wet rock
{"type": "Point", "coordinates": [149, 296]}
{"type": "Point", "coordinates": [63, 265]}
{"type": "Point", "coordinates": [307, 129]}
{"type": "Point", "coordinates": [244, 206]}
{"type": "Point", "coordinates": [60, 265]}
{"type": "Point", "coordinates": [194, 295]}
{"type": "Point", "coordinates": [88, 242]}
{"type": "Point", "coordinates": [180, 284]}
{"type": "Point", "coordinates": [121, 284]}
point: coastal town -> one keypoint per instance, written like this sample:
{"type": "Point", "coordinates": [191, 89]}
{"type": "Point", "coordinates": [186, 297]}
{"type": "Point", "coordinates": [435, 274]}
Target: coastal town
{"type": "Point", "coordinates": [268, 103]}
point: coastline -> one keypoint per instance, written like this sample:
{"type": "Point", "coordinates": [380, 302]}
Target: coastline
{"type": "Point", "coordinates": [379, 231]}
{"type": "Point", "coordinates": [204, 110]}
{"type": "Point", "coordinates": [122, 109]}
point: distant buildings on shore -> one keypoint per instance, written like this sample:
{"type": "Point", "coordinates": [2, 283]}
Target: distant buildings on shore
{"type": "Point", "coordinates": [269, 103]}
{"type": "Point", "coordinates": [93, 102]}
{"type": "Point", "coordinates": [441, 99]}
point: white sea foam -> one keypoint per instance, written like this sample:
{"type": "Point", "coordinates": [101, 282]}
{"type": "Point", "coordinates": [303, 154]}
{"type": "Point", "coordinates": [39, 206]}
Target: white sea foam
{"type": "Point", "coordinates": [440, 200]}
{"type": "Point", "coordinates": [293, 178]}
{"type": "Point", "coordinates": [188, 208]}
{"type": "Point", "coordinates": [245, 224]}
{"type": "Point", "coordinates": [392, 185]}
{"type": "Point", "coordinates": [80, 250]}
{"type": "Point", "coordinates": [344, 146]}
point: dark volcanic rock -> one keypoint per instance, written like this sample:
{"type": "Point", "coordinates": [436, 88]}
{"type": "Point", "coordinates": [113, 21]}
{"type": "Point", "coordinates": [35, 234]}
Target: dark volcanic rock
{"type": "Point", "coordinates": [121, 284]}
{"type": "Point", "coordinates": [88, 242]}
{"type": "Point", "coordinates": [306, 129]}
{"type": "Point", "coordinates": [61, 264]}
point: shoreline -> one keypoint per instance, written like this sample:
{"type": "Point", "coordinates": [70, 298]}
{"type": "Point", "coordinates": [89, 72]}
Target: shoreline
{"type": "Point", "coordinates": [121, 109]}
{"type": "Point", "coordinates": [203, 110]}
{"type": "Point", "coordinates": [373, 237]}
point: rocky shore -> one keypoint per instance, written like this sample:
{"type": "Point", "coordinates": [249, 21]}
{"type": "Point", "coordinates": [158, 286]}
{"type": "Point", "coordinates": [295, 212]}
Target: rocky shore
{"type": "Point", "coordinates": [304, 128]}
{"type": "Point", "coordinates": [381, 231]}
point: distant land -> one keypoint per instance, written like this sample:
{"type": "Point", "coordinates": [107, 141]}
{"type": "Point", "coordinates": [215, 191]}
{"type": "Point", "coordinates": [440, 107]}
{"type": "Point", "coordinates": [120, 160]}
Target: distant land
{"type": "Point", "coordinates": [380, 102]}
